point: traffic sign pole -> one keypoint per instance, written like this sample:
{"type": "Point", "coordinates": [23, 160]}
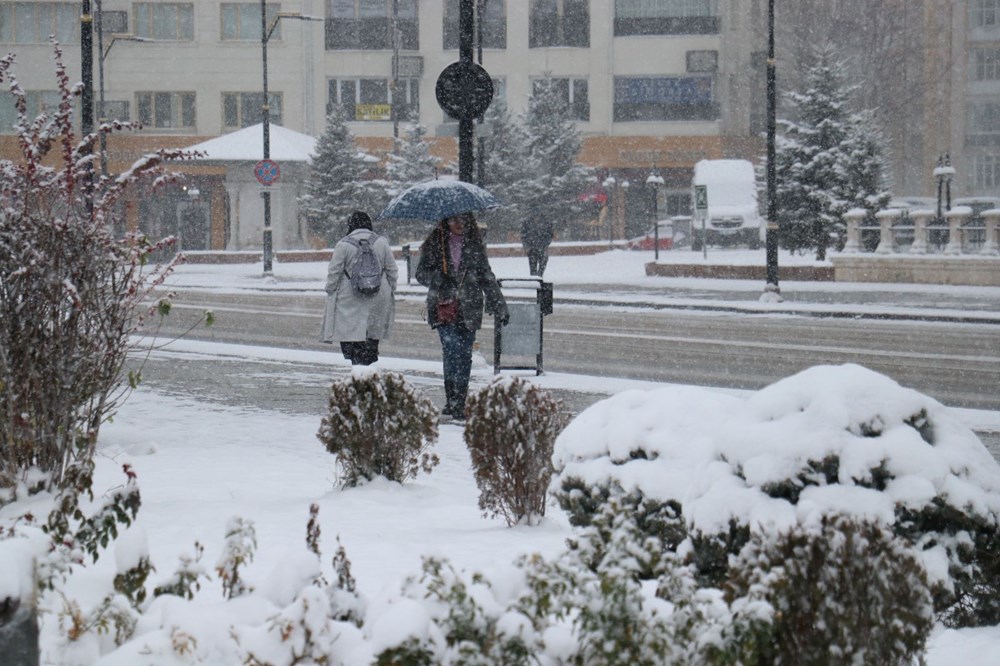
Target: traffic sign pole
{"type": "Point", "coordinates": [701, 207]}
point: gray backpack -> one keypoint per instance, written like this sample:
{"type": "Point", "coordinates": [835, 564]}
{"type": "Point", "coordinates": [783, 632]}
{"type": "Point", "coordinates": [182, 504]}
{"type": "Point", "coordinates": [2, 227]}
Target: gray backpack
{"type": "Point", "coordinates": [365, 271]}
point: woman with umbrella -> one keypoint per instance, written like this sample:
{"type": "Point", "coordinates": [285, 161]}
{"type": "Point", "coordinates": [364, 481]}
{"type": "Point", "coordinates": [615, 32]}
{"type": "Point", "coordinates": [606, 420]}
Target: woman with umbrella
{"type": "Point", "coordinates": [454, 268]}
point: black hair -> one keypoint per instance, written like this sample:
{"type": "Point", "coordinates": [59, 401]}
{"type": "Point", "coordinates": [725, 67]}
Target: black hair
{"type": "Point", "coordinates": [359, 220]}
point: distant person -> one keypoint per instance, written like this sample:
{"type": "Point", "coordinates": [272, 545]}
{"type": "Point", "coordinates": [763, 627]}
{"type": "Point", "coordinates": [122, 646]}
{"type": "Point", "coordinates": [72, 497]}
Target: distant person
{"type": "Point", "coordinates": [356, 320]}
{"type": "Point", "coordinates": [536, 235]}
{"type": "Point", "coordinates": [454, 268]}
{"type": "Point", "coordinates": [193, 229]}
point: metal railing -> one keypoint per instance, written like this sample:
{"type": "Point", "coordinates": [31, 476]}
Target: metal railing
{"type": "Point", "coordinates": [958, 232]}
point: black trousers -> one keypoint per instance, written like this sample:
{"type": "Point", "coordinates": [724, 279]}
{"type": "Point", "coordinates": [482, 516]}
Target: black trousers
{"type": "Point", "coordinates": [364, 352]}
{"type": "Point", "coordinates": [537, 258]}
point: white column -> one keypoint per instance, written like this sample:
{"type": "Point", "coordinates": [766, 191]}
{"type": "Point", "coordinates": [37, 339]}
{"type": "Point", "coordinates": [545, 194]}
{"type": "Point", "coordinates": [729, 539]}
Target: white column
{"type": "Point", "coordinates": [853, 219]}
{"type": "Point", "coordinates": [991, 218]}
{"type": "Point", "coordinates": [885, 219]}
{"type": "Point", "coordinates": [921, 218]}
{"type": "Point", "coordinates": [955, 218]}
{"type": "Point", "coordinates": [233, 192]}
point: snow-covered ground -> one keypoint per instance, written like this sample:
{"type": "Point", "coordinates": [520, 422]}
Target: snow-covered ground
{"type": "Point", "coordinates": [200, 464]}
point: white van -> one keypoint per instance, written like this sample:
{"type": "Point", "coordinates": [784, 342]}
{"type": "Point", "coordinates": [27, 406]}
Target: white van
{"type": "Point", "coordinates": [733, 216]}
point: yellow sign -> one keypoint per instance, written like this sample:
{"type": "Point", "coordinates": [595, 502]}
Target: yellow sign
{"type": "Point", "coordinates": [373, 112]}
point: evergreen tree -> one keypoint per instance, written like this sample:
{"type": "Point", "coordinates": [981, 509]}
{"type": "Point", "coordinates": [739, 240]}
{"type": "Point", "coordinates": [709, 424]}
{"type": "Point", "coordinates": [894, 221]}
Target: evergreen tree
{"type": "Point", "coordinates": [554, 180]}
{"type": "Point", "coordinates": [337, 185]}
{"type": "Point", "coordinates": [866, 165]}
{"type": "Point", "coordinates": [828, 160]}
{"type": "Point", "coordinates": [506, 150]}
{"type": "Point", "coordinates": [412, 162]}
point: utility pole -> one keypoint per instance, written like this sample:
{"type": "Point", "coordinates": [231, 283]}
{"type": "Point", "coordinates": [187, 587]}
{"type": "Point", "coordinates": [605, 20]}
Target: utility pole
{"type": "Point", "coordinates": [465, 124]}
{"type": "Point", "coordinates": [266, 113]}
{"type": "Point", "coordinates": [771, 289]}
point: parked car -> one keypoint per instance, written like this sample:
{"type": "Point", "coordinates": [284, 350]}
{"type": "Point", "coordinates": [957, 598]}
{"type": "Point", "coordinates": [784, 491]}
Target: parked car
{"type": "Point", "coordinates": [648, 240]}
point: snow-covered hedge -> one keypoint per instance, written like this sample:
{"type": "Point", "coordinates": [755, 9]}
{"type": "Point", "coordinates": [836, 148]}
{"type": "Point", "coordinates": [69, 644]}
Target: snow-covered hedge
{"type": "Point", "coordinates": [711, 470]}
{"type": "Point", "coordinates": [378, 424]}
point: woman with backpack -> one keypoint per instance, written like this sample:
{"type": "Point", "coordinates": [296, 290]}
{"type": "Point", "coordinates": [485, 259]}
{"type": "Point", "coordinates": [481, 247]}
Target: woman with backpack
{"type": "Point", "coordinates": [454, 268]}
{"type": "Point", "coordinates": [360, 292]}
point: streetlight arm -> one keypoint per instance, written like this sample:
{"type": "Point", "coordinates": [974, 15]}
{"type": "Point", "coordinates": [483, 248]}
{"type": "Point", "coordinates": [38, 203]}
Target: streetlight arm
{"type": "Point", "coordinates": [122, 37]}
{"type": "Point", "coordinates": [287, 15]}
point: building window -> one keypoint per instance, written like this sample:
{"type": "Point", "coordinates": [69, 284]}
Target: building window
{"type": "Point", "coordinates": [169, 21]}
{"type": "Point", "coordinates": [667, 17]}
{"type": "Point", "coordinates": [984, 64]}
{"type": "Point", "coordinates": [559, 23]}
{"type": "Point", "coordinates": [984, 13]}
{"type": "Point", "coordinates": [37, 101]}
{"type": "Point", "coordinates": [243, 109]}
{"type": "Point", "coordinates": [986, 172]}
{"type": "Point", "coordinates": [112, 110]}
{"type": "Point", "coordinates": [114, 21]}
{"type": "Point", "coordinates": [241, 21]}
{"type": "Point", "coordinates": [665, 98]}
{"type": "Point", "coordinates": [33, 22]}
{"type": "Point", "coordinates": [574, 92]}
{"type": "Point", "coordinates": [702, 62]}
{"type": "Point", "coordinates": [494, 23]}
{"type": "Point", "coordinates": [983, 124]}
{"type": "Point", "coordinates": [367, 25]}
{"type": "Point", "coordinates": [372, 99]}
{"type": "Point", "coordinates": [165, 110]}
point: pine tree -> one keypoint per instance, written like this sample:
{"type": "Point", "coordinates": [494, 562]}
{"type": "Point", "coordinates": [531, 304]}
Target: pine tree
{"type": "Point", "coordinates": [336, 186]}
{"type": "Point", "coordinates": [828, 161]}
{"type": "Point", "coordinates": [412, 163]}
{"type": "Point", "coordinates": [555, 180]}
{"type": "Point", "coordinates": [505, 153]}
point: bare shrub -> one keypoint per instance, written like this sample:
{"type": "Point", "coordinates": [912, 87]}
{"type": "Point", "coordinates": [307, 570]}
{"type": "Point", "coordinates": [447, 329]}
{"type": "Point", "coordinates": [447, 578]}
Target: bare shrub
{"type": "Point", "coordinates": [512, 428]}
{"type": "Point", "coordinates": [378, 425]}
{"type": "Point", "coordinates": [71, 293]}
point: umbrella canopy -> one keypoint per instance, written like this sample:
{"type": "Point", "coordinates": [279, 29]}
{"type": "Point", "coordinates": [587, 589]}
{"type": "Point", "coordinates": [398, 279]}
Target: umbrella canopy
{"type": "Point", "coordinates": [437, 199]}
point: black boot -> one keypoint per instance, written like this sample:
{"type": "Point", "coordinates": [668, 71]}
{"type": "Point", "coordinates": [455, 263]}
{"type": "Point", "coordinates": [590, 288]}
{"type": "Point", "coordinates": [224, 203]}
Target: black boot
{"type": "Point", "coordinates": [449, 397]}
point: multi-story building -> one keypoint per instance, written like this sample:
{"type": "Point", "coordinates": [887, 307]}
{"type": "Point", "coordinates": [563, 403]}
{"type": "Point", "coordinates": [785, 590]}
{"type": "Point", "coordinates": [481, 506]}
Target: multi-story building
{"type": "Point", "coordinates": [655, 85]}
{"type": "Point", "coordinates": [963, 67]}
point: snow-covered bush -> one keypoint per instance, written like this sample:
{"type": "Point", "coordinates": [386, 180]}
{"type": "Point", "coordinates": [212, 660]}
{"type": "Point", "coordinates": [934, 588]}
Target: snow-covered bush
{"type": "Point", "coordinates": [379, 425]}
{"type": "Point", "coordinates": [830, 440]}
{"type": "Point", "coordinates": [71, 293]}
{"type": "Point", "coordinates": [844, 591]}
{"type": "Point", "coordinates": [512, 427]}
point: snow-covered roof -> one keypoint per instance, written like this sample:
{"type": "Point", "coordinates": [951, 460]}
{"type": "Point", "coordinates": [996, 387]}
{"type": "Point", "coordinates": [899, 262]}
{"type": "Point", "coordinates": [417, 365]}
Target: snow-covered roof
{"type": "Point", "coordinates": [247, 145]}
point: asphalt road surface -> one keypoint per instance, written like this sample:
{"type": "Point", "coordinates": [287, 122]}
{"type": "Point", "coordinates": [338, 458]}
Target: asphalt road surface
{"type": "Point", "coordinates": [956, 363]}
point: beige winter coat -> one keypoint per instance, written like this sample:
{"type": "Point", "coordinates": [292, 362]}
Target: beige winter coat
{"type": "Point", "coordinates": [352, 317]}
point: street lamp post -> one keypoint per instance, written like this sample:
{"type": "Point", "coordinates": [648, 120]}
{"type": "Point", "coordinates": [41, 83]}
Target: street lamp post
{"type": "Point", "coordinates": [656, 181]}
{"type": "Point", "coordinates": [944, 172]}
{"type": "Point", "coordinates": [265, 35]}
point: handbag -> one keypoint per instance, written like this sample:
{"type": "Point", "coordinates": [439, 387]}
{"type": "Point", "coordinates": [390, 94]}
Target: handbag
{"type": "Point", "coordinates": [447, 308]}
{"type": "Point", "coordinates": [447, 311]}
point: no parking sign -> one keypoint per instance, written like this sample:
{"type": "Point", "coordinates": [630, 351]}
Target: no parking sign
{"type": "Point", "coordinates": [267, 172]}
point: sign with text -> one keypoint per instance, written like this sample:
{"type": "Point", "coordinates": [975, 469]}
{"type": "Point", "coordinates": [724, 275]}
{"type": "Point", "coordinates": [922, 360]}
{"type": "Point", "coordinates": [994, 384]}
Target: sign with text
{"type": "Point", "coordinates": [373, 112]}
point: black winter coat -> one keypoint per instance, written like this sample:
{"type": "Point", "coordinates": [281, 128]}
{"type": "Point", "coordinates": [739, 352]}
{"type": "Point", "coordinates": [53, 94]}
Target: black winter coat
{"type": "Point", "coordinates": [475, 285]}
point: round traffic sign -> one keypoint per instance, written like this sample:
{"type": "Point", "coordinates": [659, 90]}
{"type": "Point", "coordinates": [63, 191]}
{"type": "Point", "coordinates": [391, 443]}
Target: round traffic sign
{"type": "Point", "coordinates": [267, 172]}
{"type": "Point", "coordinates": [464, 90]}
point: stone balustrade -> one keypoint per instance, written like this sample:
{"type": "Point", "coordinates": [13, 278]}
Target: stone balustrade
{"type": "Point", "coordinates": [893, 224]}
